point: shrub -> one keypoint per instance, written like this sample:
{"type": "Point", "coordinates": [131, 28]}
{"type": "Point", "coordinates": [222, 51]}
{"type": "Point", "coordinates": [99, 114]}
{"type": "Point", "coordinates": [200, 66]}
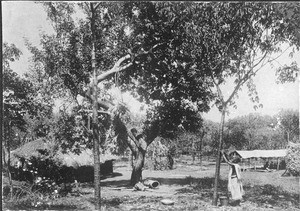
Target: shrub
{"type": "Point", "coordinates": [158, 156]}
{"type": "Point", "coordinates": [158, 163]}
{"type": "Point", "coordinates": [293, 159]}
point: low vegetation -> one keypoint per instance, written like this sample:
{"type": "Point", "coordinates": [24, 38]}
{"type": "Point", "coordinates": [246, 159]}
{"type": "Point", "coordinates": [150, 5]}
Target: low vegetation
{"type": "Point", "coordinates": [293, 159]}
{"type": "Point", "coordinates": [188, 185]}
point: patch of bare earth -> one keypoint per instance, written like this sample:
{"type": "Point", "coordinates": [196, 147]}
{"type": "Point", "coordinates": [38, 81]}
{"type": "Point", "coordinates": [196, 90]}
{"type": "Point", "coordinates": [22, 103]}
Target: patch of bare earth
{"type": "Point", "coordinates": [190, 187]}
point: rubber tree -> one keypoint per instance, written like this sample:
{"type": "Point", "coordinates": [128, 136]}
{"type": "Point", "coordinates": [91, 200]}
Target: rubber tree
{"type": "Point", "coordinates": [16, 102]}
{"type": "Point", "coordinates": [74, 56]}
{"type": "Point", "coordinates": [10, 110]}
{"type": "Point", "coordinates": [163, 78]}
{"type": "Point", "coordinates": [136, 44]}
{"type": "Point", "coordinates": [170, 53]}
{"type": "Point", "coordinates": [235, 42]}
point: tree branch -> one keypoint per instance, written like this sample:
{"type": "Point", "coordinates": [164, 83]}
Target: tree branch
{"type": "Point", "coordinates": [96, 7]}
{"type": "Point", "coordinates": [262, 58]}
{"type": "Point", "coordinates": [102, 104]}
{"type": "Point", "coordinates": [235, 90]}
{"type": "Point", "coordinates": [131, 144]}
{"type": "Point", "coordinates": [218, 89]}
{"type": "Point", "coordinates": [250, 73]}
{"type": "Point", "coordinates": [133, 138]}
{"type": "Point", "coordinates": [279, 55]}
{"type": "Point", "coordinates": [116, 68]}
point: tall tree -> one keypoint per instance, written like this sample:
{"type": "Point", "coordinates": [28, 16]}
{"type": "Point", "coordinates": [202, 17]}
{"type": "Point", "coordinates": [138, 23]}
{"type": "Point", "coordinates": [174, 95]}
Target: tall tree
{"type": "Point", "coordinates": [95, 126]}
{"type": "Point", "coordinates": [289, 122]}
{"type": "Point", "coordinates": [132, 44]}
{"type": "Point", "coordinates": [172, 55]}
{"type": "Point", "coordinates": [162, 78]}
{"type": "Point", "coordinates": [250, 132]}
{"type": "Point", "coordinates": [233, 41]}
{"type": "Point", "coordinates": [16, 102]}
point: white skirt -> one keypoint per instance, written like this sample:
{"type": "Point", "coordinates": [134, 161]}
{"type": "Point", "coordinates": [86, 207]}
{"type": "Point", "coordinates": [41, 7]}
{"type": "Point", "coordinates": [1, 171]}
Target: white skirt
{"type": "Point", "coordinates": [235, 187]}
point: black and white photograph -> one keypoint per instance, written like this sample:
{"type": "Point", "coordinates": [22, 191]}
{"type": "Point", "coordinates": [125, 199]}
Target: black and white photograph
{"type": "Point", "coordinates": [150, 105]}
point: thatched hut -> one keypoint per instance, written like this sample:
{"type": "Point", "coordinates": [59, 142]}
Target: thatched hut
{"type": "Point", "coordinates": [81, 165]}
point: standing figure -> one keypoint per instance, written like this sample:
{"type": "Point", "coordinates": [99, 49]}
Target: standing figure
{"type": "Point", "coordinates": [235, 186]}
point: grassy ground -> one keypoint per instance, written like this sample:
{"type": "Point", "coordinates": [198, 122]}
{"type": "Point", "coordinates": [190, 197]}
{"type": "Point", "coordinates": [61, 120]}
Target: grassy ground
{"type": "Point", "coordinates": [188, 185]}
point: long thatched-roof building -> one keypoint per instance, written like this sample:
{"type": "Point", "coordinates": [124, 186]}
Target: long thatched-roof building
{"type": "Point", "coordinates": [244, 154]}
{"type": "Point", "coordinates": [250, 157]}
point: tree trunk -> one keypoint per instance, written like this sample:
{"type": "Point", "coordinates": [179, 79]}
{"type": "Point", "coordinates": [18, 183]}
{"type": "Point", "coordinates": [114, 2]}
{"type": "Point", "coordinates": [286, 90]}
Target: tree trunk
{"type": "Point", "coordinates": [131, 159]}
{"type": "Point", "coordinates": [200, 148]}
{"type": "Point", "coordinates": [218, 161]}
{"type": "Point", "coordinates": [193, 150]}
{"type": "Point", "coordinates": [170, 160]}
{"type": "Point", "coordinates": [7, 148]}
{"type": "Point", "coordinates": [96, 131]}
{"type": "Point", "coordinates": [136, 175]}
{"type": "Point", "coordinates": [200, 153]}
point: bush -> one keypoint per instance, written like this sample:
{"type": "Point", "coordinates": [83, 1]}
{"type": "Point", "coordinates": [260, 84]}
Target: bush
{"type": "Point", "coordinates": [159, 163]}
{"type": "Point", "coordinates": [159, 156]}
{"type": "Point", "coordinates": [293, 159]}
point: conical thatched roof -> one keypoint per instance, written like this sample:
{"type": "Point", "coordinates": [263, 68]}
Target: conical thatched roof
{"type": "Point", "coordinates": [69, 159]}
{"type": "Point", "coordinates": [32, 148]}
{"type": "Point", "coordinates": [85, 158]}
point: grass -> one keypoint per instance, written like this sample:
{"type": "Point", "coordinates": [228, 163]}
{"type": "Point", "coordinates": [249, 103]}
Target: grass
{"type": "Point", "coordinates": [189, 186]}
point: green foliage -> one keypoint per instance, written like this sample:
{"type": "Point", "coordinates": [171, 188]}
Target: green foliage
{"type": "Point", "coordinates": [176, 54]}
{"type": "Point", "coordinates": [254, 132]}
{"type": "Point", "coordinates": [158, 156]}
{"type": "Point", "coordinates": [73, 132]}
{"type": "Point", "coordinates": [68, 57]}
{"type": "Point", "coordinates": [204, 139]}
{"type": "Point", "coordinates": [288, 27]}
{"type": "Point", "coordinates": [16, 90]}
{"type": "Point", "coordinates": [288, 120]}
{"type": "Point", "coordinates": [250, 132]}
{"type": "Point", "coordinates": [21, 102]}
{"type": "Point", "coordinates": [186, 142]}
{"type": "Point", "coordinates": [293, 159]}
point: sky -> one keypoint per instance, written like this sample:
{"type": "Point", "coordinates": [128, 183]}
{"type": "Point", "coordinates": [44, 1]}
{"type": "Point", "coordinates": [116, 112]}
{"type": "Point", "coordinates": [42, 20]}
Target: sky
{"type": "Point", "coordinates": [22, 20]}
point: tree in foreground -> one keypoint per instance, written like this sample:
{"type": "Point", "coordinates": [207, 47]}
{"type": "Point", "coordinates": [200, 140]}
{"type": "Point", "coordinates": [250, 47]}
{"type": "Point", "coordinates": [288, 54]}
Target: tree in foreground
{"type": "Point", "coordinates": [233, 42]}
{"type": "Point", "coordinates": [19, 103]}
{"type": "Point", "coordinates": [134, 46]}
{"type": "Point", "coordinates": [173, 56]}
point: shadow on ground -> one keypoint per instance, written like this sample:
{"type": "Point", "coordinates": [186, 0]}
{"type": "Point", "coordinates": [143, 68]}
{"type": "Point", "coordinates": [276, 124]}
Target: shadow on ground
{"type": "Point", "coordinates": [117, 183]}
{"type": "Point", "coordinates": [199, 183]}
{"type": "Point", "coordinates": [114, 174]}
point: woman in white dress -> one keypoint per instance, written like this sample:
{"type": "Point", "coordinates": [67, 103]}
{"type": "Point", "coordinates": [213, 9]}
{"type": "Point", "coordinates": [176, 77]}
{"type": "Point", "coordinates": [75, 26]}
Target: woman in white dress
{"type": "Point", "coordinates": [235, 186]}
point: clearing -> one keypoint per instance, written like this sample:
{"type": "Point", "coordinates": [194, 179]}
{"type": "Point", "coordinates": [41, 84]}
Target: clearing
{"type": "Point", "coordinates": [188, 185]}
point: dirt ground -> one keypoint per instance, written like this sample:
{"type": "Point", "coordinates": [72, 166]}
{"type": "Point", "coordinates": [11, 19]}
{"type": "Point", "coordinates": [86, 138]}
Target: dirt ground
{"type": "Point", "coordinates": [184, 179]}
{"type": "Point", "coordinates": [189, 186]}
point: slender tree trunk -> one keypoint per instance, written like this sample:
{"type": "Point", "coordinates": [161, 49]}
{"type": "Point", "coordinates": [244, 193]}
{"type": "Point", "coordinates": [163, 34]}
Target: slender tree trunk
{"type": "Point", "coordinates": [193, 150]}
{"type": "Point", "coordinates": [138, 165]}
{"type": "Point", "coordinates": [96, 136]}
{"type": "Point", "coordinates": [131, 159]}
{"type": "Point", "coordinates": [200, 153]}
{"type": "Point", "coordinates": [96, 131]}
{"type": "Point", "coordinates": [200, 148]}
{"type": "Point", "coordinates": [9, 175]}
{"type": "Point", "coordinates": [218, 162]}
{"type": "Point", "coordinates": [8, 139]}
